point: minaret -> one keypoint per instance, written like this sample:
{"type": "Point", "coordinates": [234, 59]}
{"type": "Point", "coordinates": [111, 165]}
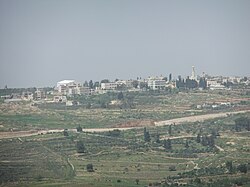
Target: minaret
{"type": "Point", "coordinates": [193, 73]}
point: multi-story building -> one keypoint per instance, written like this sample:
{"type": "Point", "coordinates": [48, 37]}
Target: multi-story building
{"type": "Point", "coordinates": [69, 87]}
{"type": "Point", "coordinates": [129, 83]}
{"type": "Point", "coordinates": [156, 83]}
{"type": "Point", "coordinates": [109, 86]}
{"type": "Point", "coordinates": [215, 85]}
{"type": "Point", "coordinates": [40, 94]}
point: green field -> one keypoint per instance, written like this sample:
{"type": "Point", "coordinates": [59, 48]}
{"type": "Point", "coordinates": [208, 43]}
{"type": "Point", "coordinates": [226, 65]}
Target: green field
{"type": "Point", "coordinates": [124, 158]}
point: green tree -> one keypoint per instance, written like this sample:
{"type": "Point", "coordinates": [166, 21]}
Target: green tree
{"type": "Point", "coordinates": [186, 144]}
{"type": "Point", "coordinates": [202, 83]}
{"type": "Point", "coordinates": [172, 168]}
{"type": "Point", "coordinates": [197, 181]}
{"type": "Point", "coordinates": [170, 77]}
{"type": "Point", "coordinates": [143, 85]}
{"type": "Point", "coordinates": [88, 106]}
{"type": "Point", "coordinates": [80, 147]}
{"type": "Point", "coordinates": [135, 83]}
{"type": "Point", "coordinates": [105, 81]}
{"type": "Point", "coordinates": [79, 129]}
{"type": "Point", "coordinates": [85, 84]}
{"type": "Point", "coordinates": [96, 84]}
{"type": "Point", "coordinates": [170, 130]}
{"type": "Point", "coordinates": [90, 168]}
{"type": "Point", "coordinates": [146, 135]}
{"type": "Point", "coordinates": [180, 82]}
{"type": "Point", "coordinates": [157, 138]}
{"type": "Point", "coordinates": [65, 132]}
{"type": "Point", "coordinates": [120, 96]}
{"type": "Point", "coordinates": [191, 84]}
{"type": "Point", "coordinates": [215, 133]}
{"type": "Point", "coordinates": [165, 79]}
{"type": "Point", "coordinates": [242, 168]}
{"type": "Point", "coordinates": [137, 181]}
{"type": "Point", "coordinates": [121, 87]}
{"type": "Point", "coordinates": [91, 84]}
{"type": "Point", "coordinates": [198, 138]}
{"type": "Point", "coordinates": [229, 166]}
{"type": "Point", "coordinates": [167, 144]}
{"type": "Point", "coordinates": [204, 140]}
{"type": "Point", "coordinates": [210, 141]}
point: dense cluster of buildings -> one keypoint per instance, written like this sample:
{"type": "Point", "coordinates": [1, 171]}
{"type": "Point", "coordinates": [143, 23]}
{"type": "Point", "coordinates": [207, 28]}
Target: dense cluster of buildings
{"type": "Point", "coordinates": [71, 87]}
{"type": "Point", "coordinates": [67, 88]}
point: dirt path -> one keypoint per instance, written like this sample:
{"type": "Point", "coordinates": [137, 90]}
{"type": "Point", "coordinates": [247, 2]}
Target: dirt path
{"type": "Point", "coordinates": [18, 134]}
{"type": "Point", "coordinates": [220, 148]}
{"type": "Point", "coordinates": [176, 137]}
{"type": "Point", "coordinates": [197, 118]}
{"type": "Point", "coordinates": [71, 165]}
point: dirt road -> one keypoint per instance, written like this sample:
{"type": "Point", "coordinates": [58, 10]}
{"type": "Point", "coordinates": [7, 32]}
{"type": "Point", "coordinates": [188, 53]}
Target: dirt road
{"type": "Point", "coordinates": [18, 134]}
{"type": "Point", "coordinates": [197, 118]}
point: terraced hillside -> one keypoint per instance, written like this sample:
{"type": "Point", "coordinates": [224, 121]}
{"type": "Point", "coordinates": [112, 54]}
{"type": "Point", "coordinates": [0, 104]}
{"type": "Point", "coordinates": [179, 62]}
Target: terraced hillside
{"type": "Point", "coordinates": [208, 152]}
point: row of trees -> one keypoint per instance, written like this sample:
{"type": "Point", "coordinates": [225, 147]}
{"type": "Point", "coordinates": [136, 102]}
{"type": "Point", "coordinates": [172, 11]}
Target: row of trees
{"type": "Point", "coordinates": [96, 84]}
{"type": "Point", "coordinates": [135, 84]}
{"type": "Point", "coordinates": [146, 134]}
{"type": "Point", "coordinates": [206, 140]}
{"type": "Point", "coordinates": [126, 101]}
{"type": "Point", "coordinates": [166, 143]}
{"type": "Point", "coordinates": [190, 83]}
{"type": "Point", "coordinates": [91, 84]}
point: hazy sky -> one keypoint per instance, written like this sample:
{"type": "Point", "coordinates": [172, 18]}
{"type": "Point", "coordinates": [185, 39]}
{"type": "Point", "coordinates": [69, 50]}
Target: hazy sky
{"type": "Point", "coordinates": [45, 41]}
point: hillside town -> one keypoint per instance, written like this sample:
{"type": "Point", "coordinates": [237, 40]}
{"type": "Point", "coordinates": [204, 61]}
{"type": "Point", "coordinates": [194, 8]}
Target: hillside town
{"type": "Point", "coordinates": [65, 89]}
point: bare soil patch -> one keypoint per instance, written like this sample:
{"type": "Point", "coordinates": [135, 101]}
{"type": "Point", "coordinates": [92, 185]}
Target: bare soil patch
{"type": "Point", "coordinates": [136, 123]}
{"type": "Point", "coordinates": [124, 126]}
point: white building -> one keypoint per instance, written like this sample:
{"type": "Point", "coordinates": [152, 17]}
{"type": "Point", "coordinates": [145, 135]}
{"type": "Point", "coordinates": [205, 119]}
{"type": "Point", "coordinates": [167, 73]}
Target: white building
{"type": "Point", "coordinates": [193, 75]}
{"type": "Point", "coordinates": [156, 83]}
{"type": "Point", "coordinates": [40, 94]}
{"type": "Point", "coordinates": [27, 96]}
{"type": "Point", "coordinates": [215, 85]}
{"type": "Point", "coordinates": [68, 87]}
{"type": "Point", "coordinates": [109, 86]}
{"type": "Point", "coordinates": [129, 83]}
{"type": "Point", "coordinates": [60, 99]}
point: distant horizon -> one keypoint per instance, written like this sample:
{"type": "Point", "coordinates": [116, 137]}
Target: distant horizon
{"type": "Point", "coordinates": [174, 77]}
{"type": "Point", "coordinates": [43, 42]}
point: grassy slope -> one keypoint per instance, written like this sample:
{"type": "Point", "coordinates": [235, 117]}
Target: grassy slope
{"type": "Point", "coordinates": [46, 160]}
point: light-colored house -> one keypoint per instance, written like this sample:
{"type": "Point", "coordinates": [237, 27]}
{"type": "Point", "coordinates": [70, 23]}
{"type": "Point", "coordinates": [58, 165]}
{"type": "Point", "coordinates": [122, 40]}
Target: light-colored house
{"type": "Point", "coordinates": [109, 86]}
{"type": "Point", "coordinates": [27, 96]}
{"type": "Point", "coordinates": [156, 83]}
{"type": "Point", "coordinates": [215, 85]}
{"type": "Point", "coordinates": [68, 87]}
{"type": "Point", "coordinates": [60, 99]}
{"type": "Point", "coordinates": [40, 94]}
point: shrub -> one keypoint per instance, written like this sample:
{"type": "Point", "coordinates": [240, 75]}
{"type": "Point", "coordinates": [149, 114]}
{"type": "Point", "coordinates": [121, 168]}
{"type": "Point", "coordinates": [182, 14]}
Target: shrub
{"type": "Point", "coordinates": [90, 168]}
{"type": "Point", "coordinates": [80, 147]}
